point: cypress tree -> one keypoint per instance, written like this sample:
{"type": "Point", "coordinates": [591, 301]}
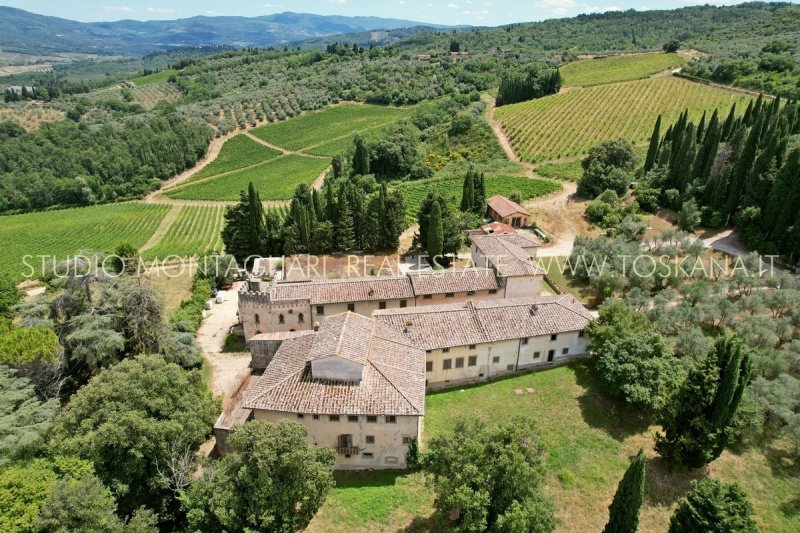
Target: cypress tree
{"type": "Point", "coordinates": [343, 230]}
{"type": "Point", "coordinates": [706, 152]}
{"type": "Point", "coordinates": [331, 214]}
{"type": "Point", "coordinates": [713, 507]}
{"type": "Point", "coordinates": [741, 170]}
{"type": "Point", "coordinates": [468, 192]}
{"type": "Point", "coordinates": [697, 421]}
{"type": "Point", "coordinates": [624, 509]}
{"type": "Point", "coordinates": [727, 128]}
{"type": "Point", "coordinates": [480, 194]}
{"type": "Point", "coordinates": [701, 128]}
{"type": "Point", "coordinates": [360, 156]}
{"type": "Point", "coordinates": [435, 237]}
{"type": "Point", "coordinates": [652, 151]}
{"type": "Point", "coordinates": [394, 219]}
{"type": "Point", "coordinates": [256, 220]}
{"type": "Point", "coordinates": [783, 199]}
{"type": "Point", "coordinates": [316, 200]}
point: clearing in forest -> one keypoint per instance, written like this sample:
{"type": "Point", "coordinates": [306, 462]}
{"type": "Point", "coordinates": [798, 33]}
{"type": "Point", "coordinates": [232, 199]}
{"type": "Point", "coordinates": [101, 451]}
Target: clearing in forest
{"type": "Point", "coordinates": [611, 69]}
{"type": "Point", "coordinates": [569, 124]}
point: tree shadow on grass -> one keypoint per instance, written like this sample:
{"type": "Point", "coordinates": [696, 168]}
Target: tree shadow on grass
{"type": "Point", "coordinates": [664, 487]}
{"type": "Point", "coordinates": [367, 478]}
{"type": "Point", "coordinates": [421, 524]}
{"type": "Point", "coordinates": [783, 462]}
{"type": "Point", "coordinates": [601, 411]}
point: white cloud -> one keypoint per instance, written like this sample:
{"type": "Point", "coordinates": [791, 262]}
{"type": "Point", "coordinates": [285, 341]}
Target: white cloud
{"type": "Point", "coordinates": [126, 9]}
{"type": "Point", "coordinates": [160, 10]}
{"type": "Point", "coordinates": [453, 6]}
{"type": "Point", "coordinates": [273, 6]}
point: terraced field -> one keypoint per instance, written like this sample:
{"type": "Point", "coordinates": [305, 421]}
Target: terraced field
{"type": "Point", "coordinates": [612, 69]}
{"type": "Point", "coordinates": [323, 132]}
{"type": "Point", "coordinates": [275, 180]}
{"type": "Point", "coordinates": [69, 231]}
{"type": "Point", "coordinates": [238, 152]}
{"type": "Point", "coordinates": [570, 123]}
{"type": "Point", "coordinates": [196, 230]}
{"type": "Point", "coordinates": [414, 192]}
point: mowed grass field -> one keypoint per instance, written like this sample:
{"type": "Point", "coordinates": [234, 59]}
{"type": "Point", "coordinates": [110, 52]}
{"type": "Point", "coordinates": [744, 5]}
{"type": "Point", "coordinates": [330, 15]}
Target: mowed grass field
{"type": "Point", "coordinates": [570, 123]}
{"type": "Point", "coordinates": [275, 180]}
{"type": "Point", "coordinates": [325, 132]}
{"type": "Point", "coordinates": [69, 231]}
{"type": "Point", "coordinates": [414, 192]}
{"type": "Point", "coordinates": [238, 152]}
{"type": "Point", "coordinates": [156, 77]}
{"type": "Point", "coordinates": [611, 69]}
{"type": "Point", "coordinates": [589, 439]}
{"type": "Point", "coordinates": [194, 231]}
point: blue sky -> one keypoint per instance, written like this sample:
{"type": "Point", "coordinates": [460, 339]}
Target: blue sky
{"type": "Point", "coordinates": [475, 12]}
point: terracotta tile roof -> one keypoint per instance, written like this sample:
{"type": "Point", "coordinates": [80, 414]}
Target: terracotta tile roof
{"type": "Point", "coordinates": [505, 207]}
{"type": "Point", "coordinates": [392, 383]}
{"type": "Point", "coordinates": [507, 255]}
{"type": "Point", "coordinates": [447, 326]}
{"type": "Point", "coordinates": [279, 335]}
{"type": "Point", "coordinates": [345, 290]}
{"type": "Point", "coordinates": [498, 227]}
{"type": "Point", "coordinates": [444, 281]}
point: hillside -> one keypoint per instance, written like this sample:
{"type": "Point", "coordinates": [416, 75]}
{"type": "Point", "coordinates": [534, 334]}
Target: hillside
{"type": "Point", "coordinates": [22, 31]}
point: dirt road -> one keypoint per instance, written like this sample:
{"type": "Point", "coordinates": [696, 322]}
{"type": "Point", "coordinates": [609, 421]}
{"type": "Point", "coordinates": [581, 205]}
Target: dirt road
{"type": "Point", "coordinates": [228, 369]}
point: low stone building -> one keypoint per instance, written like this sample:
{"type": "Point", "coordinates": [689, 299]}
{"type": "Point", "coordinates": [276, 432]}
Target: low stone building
{"type": "Point", "coordinates": [300, 305]}
{"type": "Point", "coordinates": [476, 341]}
{"type": "Point", "coordinates": [513, 258]}
{"type": "Point", "coordinates": [502, 209]}
{"type": "Point", "coordinates": [357, 384]}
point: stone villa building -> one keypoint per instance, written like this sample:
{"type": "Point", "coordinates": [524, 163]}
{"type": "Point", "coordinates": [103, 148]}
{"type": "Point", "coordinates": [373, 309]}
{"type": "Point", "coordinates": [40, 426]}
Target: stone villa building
{"type": "Point", "coordinates": [357, 384]}
{"type": "Point", "coordinates": [506, 264]}
{"type": "Point", "coordinates": [501, 209]}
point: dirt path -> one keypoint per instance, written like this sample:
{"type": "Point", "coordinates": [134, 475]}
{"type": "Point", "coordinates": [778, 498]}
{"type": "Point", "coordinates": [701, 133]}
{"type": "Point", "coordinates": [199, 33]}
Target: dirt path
{"type": "Point", "coordinates": [162, 229]}
{"type": "Point", "coordinates": [227, 370]}
{"type": "Point", "coordinates": [281, 149]}
{"type": "Point", "coordinates": [211, 155]}
{"type": "Point", "coordinates": [319, 181]}
{"type": "Point", "coordinates": [497, 129]}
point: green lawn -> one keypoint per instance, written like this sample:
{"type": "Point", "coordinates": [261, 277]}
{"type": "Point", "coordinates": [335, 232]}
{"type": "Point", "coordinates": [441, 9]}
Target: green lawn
{"type": "Point", "coordinates": [414, 192]}
{"type": "Point", "coordinates": [612, 69]}
{"type": "Point", "coordinates": [238, 152]}
{"type": "Point", "coordinates": [322, 127]}
{"type": "Point", "coordinates": [564, 171]}
{"type": "Point", "coordinates": [68, 231]}
{"type": "Point", "coordinates": [156, 77]}
{"type": "Point", "coordinates": [589, 439]}
{"type": "Point", "coordinates": [275, 180]}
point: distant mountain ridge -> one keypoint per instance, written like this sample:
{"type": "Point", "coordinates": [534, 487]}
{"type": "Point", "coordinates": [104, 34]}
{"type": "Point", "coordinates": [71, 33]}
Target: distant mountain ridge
{"type": "Point", "coordinates": [25, 32]}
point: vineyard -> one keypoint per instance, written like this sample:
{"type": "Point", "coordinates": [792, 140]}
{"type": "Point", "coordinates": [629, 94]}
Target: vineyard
{"type": "Point", "coordinates": [196, 230]}
{"type": "Point", "coordinates": [570, 123]}
{"type": "Point", "coordinates": [148, 95]}
{"type": "Point", "coordinates": [70, 231]}
{"type": "Point", "coordinates": [275, 179]}
{"type": "Point", "coordinates": [238, 152]}
{"type": "Point", "coordinates": [612, 69]}
{"type": "Point", "coordinates": [414, 192]}
{"type": "Point", "coordinates": [321, 132]}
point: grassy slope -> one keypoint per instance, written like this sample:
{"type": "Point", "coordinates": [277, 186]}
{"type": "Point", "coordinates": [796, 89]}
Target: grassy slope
{"type": "Point", "coordinates": [69, 231]}
{"type": "Point", "coordinates": [321, 127]}
{"type": "Point", "coordinates": [570, 123]}
{"type": "Point", "coordinates": [275, 180]}
{"type": "Point", "coordinates": [157, 77]}
{"type": "Point", "coordinates": [238, 152]}
{"type": "Point", "coordinates": [589, 439]}
{"type": "Point", "coordinates": [617, 68]}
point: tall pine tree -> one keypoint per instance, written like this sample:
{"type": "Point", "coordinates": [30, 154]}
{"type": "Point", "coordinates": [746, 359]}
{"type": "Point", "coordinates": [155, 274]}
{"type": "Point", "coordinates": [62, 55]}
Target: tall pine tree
{"type": "Point", "coordinates": [435, 237]}
{"type": "Point", "coordinates": [468, 192]}
{"type": "Point", "coordinates": [652, 150]}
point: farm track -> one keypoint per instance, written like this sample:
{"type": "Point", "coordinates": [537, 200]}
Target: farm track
{"type": "Point", "coordinates": [162, 229]}
{"type": "Point", "coordinates": [281, 149]}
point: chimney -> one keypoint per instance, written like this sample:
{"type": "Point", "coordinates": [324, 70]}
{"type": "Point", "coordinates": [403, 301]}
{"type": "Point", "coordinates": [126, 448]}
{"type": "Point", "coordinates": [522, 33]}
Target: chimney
{"type": "Point", "coordinates": [316, 325]}
{"type": "Point", "coordinates": [409, 323]}
{"type": "Point", "coordinates": [534, 310]}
